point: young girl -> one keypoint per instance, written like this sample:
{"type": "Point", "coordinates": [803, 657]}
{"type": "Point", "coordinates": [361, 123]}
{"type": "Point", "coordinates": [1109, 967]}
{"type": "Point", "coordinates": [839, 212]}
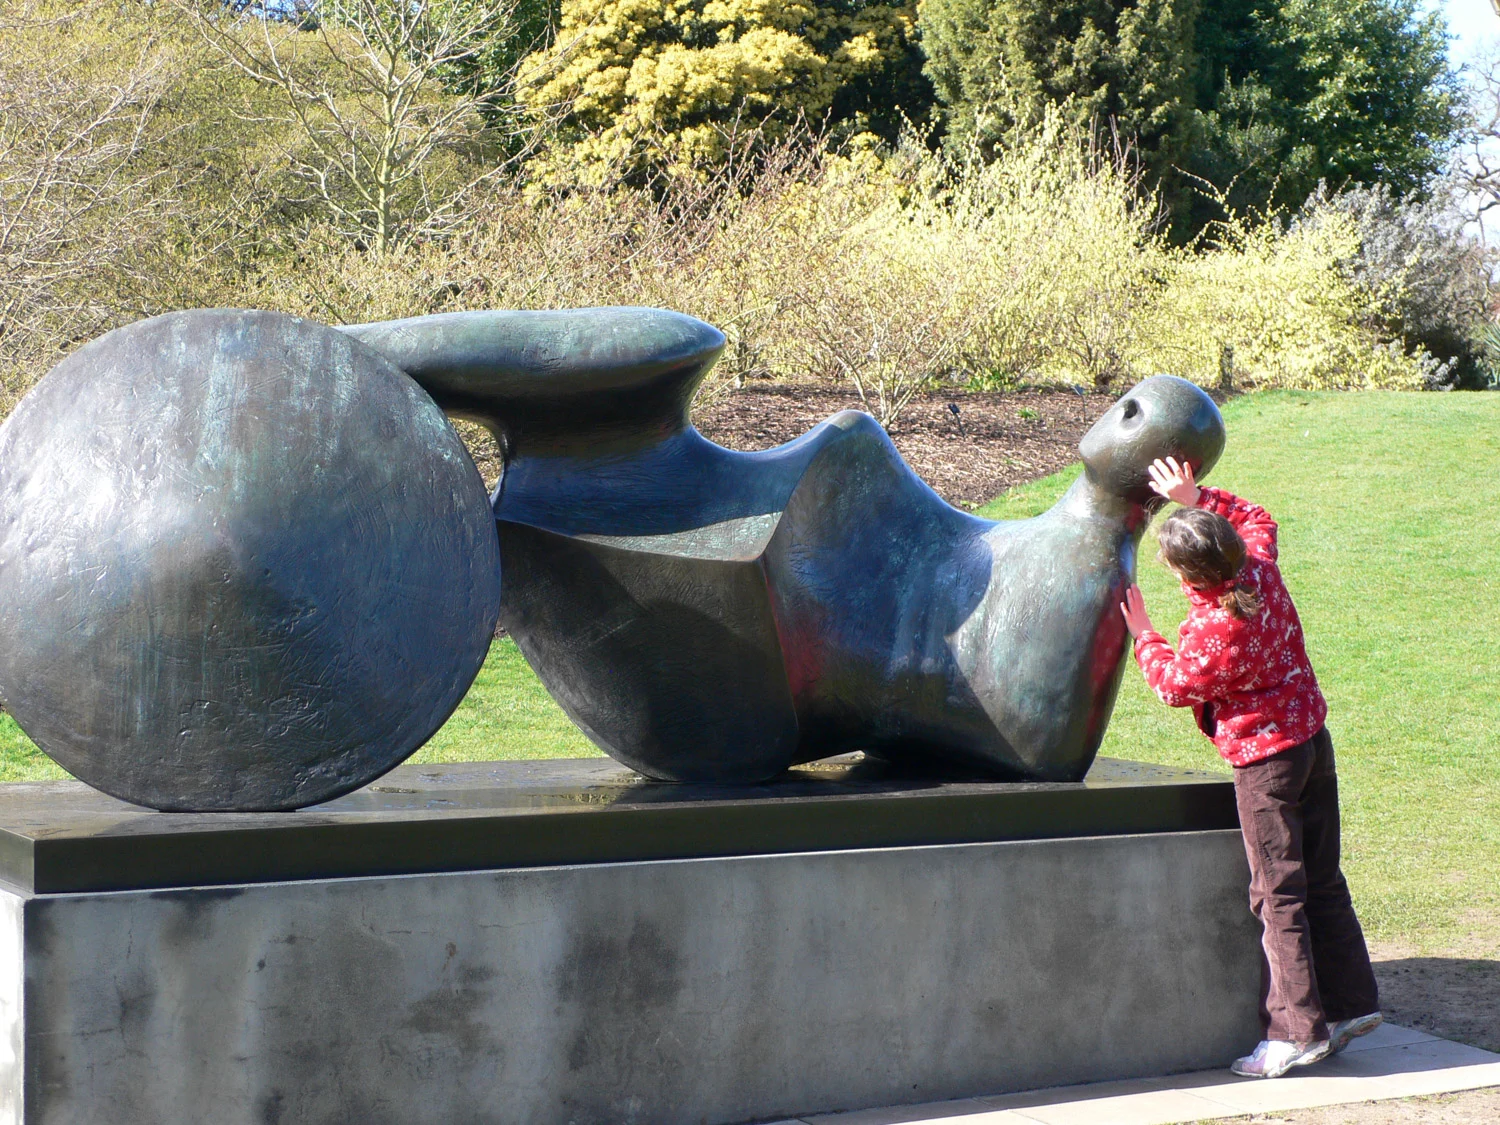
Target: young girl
{"type": "Point", "coordinates": [1242, 667]}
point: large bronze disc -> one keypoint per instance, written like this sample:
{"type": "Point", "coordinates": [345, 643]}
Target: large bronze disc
{"type": "Point", "coordinates": [245, 563]}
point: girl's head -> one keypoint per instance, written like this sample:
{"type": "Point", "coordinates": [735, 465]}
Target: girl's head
{"type": "Point", "coordinates": [1205, 551]}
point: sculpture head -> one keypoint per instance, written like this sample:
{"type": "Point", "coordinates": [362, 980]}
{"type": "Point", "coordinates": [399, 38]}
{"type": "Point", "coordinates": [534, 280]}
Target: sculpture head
{"type": "Point", "coordinates": [1162, 416]}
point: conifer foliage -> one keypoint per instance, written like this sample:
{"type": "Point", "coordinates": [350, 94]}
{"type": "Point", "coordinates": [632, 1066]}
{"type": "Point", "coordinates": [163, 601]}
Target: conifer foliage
{"type": "Point", "coordinates": [1292, 93]}
{"type": "Point", "coordinates": [672, 82]}
{"type": "Point", "coordinates": [997, 64]}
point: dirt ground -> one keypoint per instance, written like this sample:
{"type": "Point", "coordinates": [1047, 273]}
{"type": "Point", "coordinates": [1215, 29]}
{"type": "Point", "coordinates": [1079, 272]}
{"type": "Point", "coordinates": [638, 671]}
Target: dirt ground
{"type": "Point", "coordinates": [1454, 996]}
{"type": "Point", "coordinates": [1473, 1107]}
{"type": "Point", "coordinates": [994, 441]}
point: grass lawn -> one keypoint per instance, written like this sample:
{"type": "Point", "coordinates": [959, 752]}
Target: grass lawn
{"type": "Point", "coordinates": [1390, 545]}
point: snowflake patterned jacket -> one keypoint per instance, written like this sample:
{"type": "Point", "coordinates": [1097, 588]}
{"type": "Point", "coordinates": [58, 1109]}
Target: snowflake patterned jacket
{"type": "Point", "coordinates": [1249, 682]}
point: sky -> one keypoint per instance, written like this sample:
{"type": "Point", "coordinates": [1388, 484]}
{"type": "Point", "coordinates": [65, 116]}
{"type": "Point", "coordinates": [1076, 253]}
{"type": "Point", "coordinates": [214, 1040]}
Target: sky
{"type": "Point", "coordinates": [1471, 22]}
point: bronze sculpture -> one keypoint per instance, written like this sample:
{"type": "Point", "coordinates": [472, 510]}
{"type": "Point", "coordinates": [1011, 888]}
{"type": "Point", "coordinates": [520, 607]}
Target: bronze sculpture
{"type": "Point", "coordinates": [706, 615]}
{"type": "Point", "coordinates": [245, 563]}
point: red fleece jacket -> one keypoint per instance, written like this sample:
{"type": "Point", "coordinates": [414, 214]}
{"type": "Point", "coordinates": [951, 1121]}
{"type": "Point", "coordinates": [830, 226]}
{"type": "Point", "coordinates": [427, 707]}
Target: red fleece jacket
{"type": "Point", "coordinates": [1249, 682]}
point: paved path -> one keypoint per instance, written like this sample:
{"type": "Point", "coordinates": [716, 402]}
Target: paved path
{"type": "Point", "coordinates": [1391, 1062]}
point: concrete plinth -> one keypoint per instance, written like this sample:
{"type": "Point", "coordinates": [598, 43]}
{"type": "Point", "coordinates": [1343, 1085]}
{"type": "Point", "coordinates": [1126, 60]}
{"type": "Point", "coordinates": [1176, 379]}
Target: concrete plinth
{"type": "Point", "coordinates": [708, 990]}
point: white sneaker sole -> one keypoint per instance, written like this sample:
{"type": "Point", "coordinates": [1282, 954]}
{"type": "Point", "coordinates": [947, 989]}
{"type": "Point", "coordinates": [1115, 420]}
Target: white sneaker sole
{"type": "Point", "coordinates": [1315, 1053]}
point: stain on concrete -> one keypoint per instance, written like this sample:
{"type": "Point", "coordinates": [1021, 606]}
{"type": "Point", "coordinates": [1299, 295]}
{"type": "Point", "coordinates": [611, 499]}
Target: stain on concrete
{"type": "Point", "coordinates": [137, 1002]}
{"type": "Point", "coordinates": [639, 976]}
{"type": "Point", "coordinates": [193, 915]}
{"type": "Point", "coordinates": [270, 1108]}
{"type": "Point", "coordinates": [451, 1010]}
{"type": "Point", "coordinates": [632, 973]}
{"type": "Point", "coordinates": [580, 1051]}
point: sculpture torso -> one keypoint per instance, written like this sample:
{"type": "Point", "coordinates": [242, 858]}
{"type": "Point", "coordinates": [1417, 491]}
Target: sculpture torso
{"type": "Point", "coordinates": [919, 631]}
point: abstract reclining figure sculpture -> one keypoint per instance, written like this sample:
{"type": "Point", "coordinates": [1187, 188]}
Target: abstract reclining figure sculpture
{"type": "Point", "coordinates": [245, 563]}
{"type": "Point", "coordinates": [713, 616]}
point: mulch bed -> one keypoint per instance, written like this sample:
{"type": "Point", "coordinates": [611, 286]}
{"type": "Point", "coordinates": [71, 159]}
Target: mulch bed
{"type": "Point", "coordinates": [995, 441]}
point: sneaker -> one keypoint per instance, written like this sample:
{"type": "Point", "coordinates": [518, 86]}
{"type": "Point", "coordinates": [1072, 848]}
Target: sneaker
{"type": "Point", "coordinates": [1341, 1034]}
{"type": "Point", "coordinates": [1274, 1057]}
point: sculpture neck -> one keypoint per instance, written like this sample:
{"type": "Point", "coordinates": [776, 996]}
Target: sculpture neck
{"type": "Point", "coordinates": [1088, 500]}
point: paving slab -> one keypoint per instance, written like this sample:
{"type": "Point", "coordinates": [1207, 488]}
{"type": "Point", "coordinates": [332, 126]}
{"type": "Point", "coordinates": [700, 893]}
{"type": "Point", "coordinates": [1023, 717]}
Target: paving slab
{"type": "Point", "coordinates": [1391, 1062]}
{"type": "Point", "coordinates": [1420, 1069]}
{"type": "Point", "coordinates": [1142, 1107]}
{"type": "Point", "coordinates": [968, 1111]}
{"type": "Point", "coordinates": [1388, 1035]}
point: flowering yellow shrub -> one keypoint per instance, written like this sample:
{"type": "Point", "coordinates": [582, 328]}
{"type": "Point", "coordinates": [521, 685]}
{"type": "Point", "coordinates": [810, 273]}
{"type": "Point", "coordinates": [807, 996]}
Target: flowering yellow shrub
{"type": "Point", "coordinates": [671, 82]}
{"type": "Point", "coordinates": [1045, 266]}
{"type": "Point", "coordinates": [141, 180]}
{"type": "Point", "coordinates": [1277, 298]}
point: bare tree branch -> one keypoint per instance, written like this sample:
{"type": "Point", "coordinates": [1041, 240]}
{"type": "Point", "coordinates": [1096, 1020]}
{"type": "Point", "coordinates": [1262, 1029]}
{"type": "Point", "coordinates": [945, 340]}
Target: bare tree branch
{"type": "Point", "coordinates": [364, 85]}
{"type": "Point", "coordinates": [81, 203]}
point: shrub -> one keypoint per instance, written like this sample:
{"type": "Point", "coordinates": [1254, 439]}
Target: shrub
{"type": "Point", "coordinates": [1043, 266]}
{"type": "Point", "coordinates": [1264, 98]}
{"type": "Point", "coordinates": [996, 64]}
{"type": "Point", "coordinates": [707, 247]}
{"type": "Point", "coordinates": [1067, 248]}
{"type": "Point", "coordinates": [891, 270]}
{"type": "Point", "coordinates": [1427, 278]}
{"type": "Point", "coordinates": [390, 119]}
{"type": "Point", "coordinates": [85, 205]}
{"type": "Point", "coordinates": [1272, 298]}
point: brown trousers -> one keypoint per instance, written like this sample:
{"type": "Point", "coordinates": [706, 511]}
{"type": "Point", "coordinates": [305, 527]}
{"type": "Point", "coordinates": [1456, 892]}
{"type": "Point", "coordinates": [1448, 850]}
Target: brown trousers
{"type": "Point", "coordinates": [1315, 968]}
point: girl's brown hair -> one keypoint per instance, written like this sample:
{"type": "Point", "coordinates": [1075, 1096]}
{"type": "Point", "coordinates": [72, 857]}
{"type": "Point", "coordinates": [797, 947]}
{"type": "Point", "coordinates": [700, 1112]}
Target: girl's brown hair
{"type": "Point", "coordinates": [1207, 551]}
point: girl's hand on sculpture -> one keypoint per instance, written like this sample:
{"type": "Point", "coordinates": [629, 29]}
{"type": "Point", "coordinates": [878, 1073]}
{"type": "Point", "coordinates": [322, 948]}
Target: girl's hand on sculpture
{"type": "Point", "coordinates": [1137, 620]}
{"type": "Point", "coordinates": [1174, 481]}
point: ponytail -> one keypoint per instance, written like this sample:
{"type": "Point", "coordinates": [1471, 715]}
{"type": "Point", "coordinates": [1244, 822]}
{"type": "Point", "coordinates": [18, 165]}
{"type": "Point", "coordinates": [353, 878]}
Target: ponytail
{"type": "Point", "coordinates": [1240, 601]}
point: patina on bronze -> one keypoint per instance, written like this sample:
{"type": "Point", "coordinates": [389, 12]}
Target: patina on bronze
{"type": "Point", "coordinates": [245, 563]}
{"type": "Point", "coordinates": [707, 615]}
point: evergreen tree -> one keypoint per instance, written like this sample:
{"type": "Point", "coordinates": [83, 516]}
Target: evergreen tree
{"type": "Point", "coordinates": [995, 65]}
{"type": "Point", "coordinates": [1256, 100]}
{"type": "Point", "coordinates": [490, 70]}
{"type": "Point", "coordinates": [1292, 93]}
